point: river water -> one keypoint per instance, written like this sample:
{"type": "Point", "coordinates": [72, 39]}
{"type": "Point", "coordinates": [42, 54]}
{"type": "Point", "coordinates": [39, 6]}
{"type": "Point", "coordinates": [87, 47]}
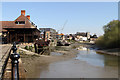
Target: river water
{"type": "Point", "coordinates": [86, 64]}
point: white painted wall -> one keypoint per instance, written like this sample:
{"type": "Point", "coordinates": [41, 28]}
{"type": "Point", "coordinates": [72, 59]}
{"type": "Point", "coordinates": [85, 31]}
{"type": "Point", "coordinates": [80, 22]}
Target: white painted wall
{"type": "Point", "coordinates": [84, 38]}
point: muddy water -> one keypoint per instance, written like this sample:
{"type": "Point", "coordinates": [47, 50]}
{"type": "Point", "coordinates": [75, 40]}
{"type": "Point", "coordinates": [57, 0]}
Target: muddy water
{"type": "Point", "coordinates": [86, 64]}
{"type": "Point", "coordinates": [96, 59]}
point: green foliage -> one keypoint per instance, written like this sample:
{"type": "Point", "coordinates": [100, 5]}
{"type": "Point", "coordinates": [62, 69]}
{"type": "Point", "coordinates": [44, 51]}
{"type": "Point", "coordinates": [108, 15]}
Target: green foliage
{"type": "Point", "coordinates": [100, 41]}
{"type": "Point", "coordinates": [68, 40]}
{"type": "Point", "coordinates": [30, 48]}
{"type": "Point", "coordinates": [26, 47]}
{"type": "Point", "coordinates": [111, 38]}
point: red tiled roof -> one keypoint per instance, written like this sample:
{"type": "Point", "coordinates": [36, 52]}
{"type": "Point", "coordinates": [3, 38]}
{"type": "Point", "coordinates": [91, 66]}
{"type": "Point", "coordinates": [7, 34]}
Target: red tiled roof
{"type": "Point", "coordinates": [7, 23]}
{"type": "Point", "coordinates": [11, 24]}
{"type": "Point", "coordinates": [61, 34]}
{"type": "Point", "coordinates": [21, 18]}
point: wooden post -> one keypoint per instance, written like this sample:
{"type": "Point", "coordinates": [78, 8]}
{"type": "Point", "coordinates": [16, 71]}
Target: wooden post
{"type": "Point", "coordinates": [24, 37]}
{"type": "Point", "coordinates": [10, 37]}
{"type": "Point", "coordinates": [35, 48]}
{"type": "Point", "coordinates": [16, 37]}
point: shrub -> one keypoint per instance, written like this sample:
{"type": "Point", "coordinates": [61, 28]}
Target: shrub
{"type": "Point", "coordinates": [26, 47]}
{"type": "Point", "coordinates": [30, 48]}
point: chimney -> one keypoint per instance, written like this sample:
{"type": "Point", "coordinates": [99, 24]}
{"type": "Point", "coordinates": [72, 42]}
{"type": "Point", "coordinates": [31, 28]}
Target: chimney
{"type": "Point", "coordinates": [28, 16]}
{"type": "Point", "coordinates": [23, 12]}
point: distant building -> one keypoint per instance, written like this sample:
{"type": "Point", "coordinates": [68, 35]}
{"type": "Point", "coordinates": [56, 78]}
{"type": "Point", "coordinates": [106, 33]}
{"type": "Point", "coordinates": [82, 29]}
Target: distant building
{"type": "Point", "coordinates": [21, 29]}
{"type": "Point", "coordinates": [88, 35]}
{"type": "Point", "coordinates": [61, 36]}
{"type": "Point", "coordinates": [82, 36]}
{"type": "Point", "coordinates": [93, 38]}
{"type": "Point", "coordinates": [48, 33]}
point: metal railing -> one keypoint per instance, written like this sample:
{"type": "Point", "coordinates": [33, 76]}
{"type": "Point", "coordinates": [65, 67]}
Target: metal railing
{"type": "Point", "coordinates": [15, 63]}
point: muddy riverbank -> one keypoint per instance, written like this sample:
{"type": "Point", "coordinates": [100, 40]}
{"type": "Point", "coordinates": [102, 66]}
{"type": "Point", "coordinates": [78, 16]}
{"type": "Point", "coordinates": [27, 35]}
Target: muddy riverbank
{"type": "Point", "coordinates": [31, 60]}
{"type": "Point", "coordinates": [113, 52]}
{"type": "Point", "coordinates": [67, 62]}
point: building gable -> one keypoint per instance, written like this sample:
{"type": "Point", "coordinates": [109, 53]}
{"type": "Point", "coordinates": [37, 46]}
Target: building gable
{"type": "Point", "coordinates": [21, 22]}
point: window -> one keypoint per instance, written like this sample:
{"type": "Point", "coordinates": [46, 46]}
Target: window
{"type": "Point", "coordinates": [20, 22]}
{"type": "Point", "coordinates": [16, 22]}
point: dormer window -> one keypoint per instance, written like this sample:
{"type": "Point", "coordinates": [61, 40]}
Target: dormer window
{"type": "Point", "coordinates": [16, 22]}
{"type": "Point", "coordinates": [20, 22]}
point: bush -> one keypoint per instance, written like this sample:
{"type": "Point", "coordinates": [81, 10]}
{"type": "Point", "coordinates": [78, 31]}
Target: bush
{"type": "Point", "coordinates": [30, 48]}
{"type": "Point", "coordinates": [100, 41]}
{"type": "Point", "coordinates": [68, 40]}
{"type": "Point", "coordinates": [26, 47]}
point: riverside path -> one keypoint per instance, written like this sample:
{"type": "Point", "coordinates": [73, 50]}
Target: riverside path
{"type": "Point", "coordinates": [4, 54]}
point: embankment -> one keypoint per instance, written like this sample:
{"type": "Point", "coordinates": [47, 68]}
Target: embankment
{"type": "Point", "coordinates": [114, 52]}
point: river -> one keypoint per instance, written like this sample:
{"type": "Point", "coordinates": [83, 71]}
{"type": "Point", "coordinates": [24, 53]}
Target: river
{"type": "Point", "coordinates": [86, 64]}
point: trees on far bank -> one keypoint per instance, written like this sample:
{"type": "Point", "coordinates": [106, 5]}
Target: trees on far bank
{"type": "Point", "coordinates": [111, 37]}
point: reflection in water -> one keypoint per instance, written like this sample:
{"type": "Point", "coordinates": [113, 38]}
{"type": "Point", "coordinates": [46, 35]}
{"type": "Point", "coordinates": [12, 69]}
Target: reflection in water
{"type": "Point", "coordinates": [77, 68]}
{"type": "Point", "coordinates": [93, 58]}
{"type": "Point", "coordinates": [82, 48]}
{"type": "Point", "coordinates": [111, 60]}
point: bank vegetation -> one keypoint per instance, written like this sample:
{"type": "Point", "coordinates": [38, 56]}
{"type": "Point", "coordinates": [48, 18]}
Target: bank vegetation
{"type": "Point", "coordinates": [111, 37]}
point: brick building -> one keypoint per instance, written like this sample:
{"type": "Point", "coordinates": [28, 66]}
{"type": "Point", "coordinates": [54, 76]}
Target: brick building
{"type": "Point", "coordinates": [21, 29]}
{"type": "Point", "coordinates": [48, 33]}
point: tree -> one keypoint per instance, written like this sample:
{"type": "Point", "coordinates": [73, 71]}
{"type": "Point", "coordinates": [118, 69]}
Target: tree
{"type": "Point", "coordinates": [111, 37]}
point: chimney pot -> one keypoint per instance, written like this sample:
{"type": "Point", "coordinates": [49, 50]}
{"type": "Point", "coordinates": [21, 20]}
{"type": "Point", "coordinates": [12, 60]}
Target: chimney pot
{"type": "Point", "coordinates": [23, 12]}
{"type": "Point", "coordinates": [28, 16]}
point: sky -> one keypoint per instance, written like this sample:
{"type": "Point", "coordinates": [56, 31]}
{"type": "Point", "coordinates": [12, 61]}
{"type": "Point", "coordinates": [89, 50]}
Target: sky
{"type": "Point", "coordinates": [59, 0]}
{"type": "Point", "coordinates": [80, 16]}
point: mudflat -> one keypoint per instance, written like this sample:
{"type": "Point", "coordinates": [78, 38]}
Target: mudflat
{"type": "Point", "coordinates": [64, 66]}
{"type": "Point", "coordinates": [32, 60]}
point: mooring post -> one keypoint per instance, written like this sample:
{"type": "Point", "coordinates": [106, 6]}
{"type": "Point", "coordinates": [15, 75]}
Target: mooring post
{"type": "Point", "coordinates": [15, 63]}
{"type": "Point", "coordinates": [35, 45]}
